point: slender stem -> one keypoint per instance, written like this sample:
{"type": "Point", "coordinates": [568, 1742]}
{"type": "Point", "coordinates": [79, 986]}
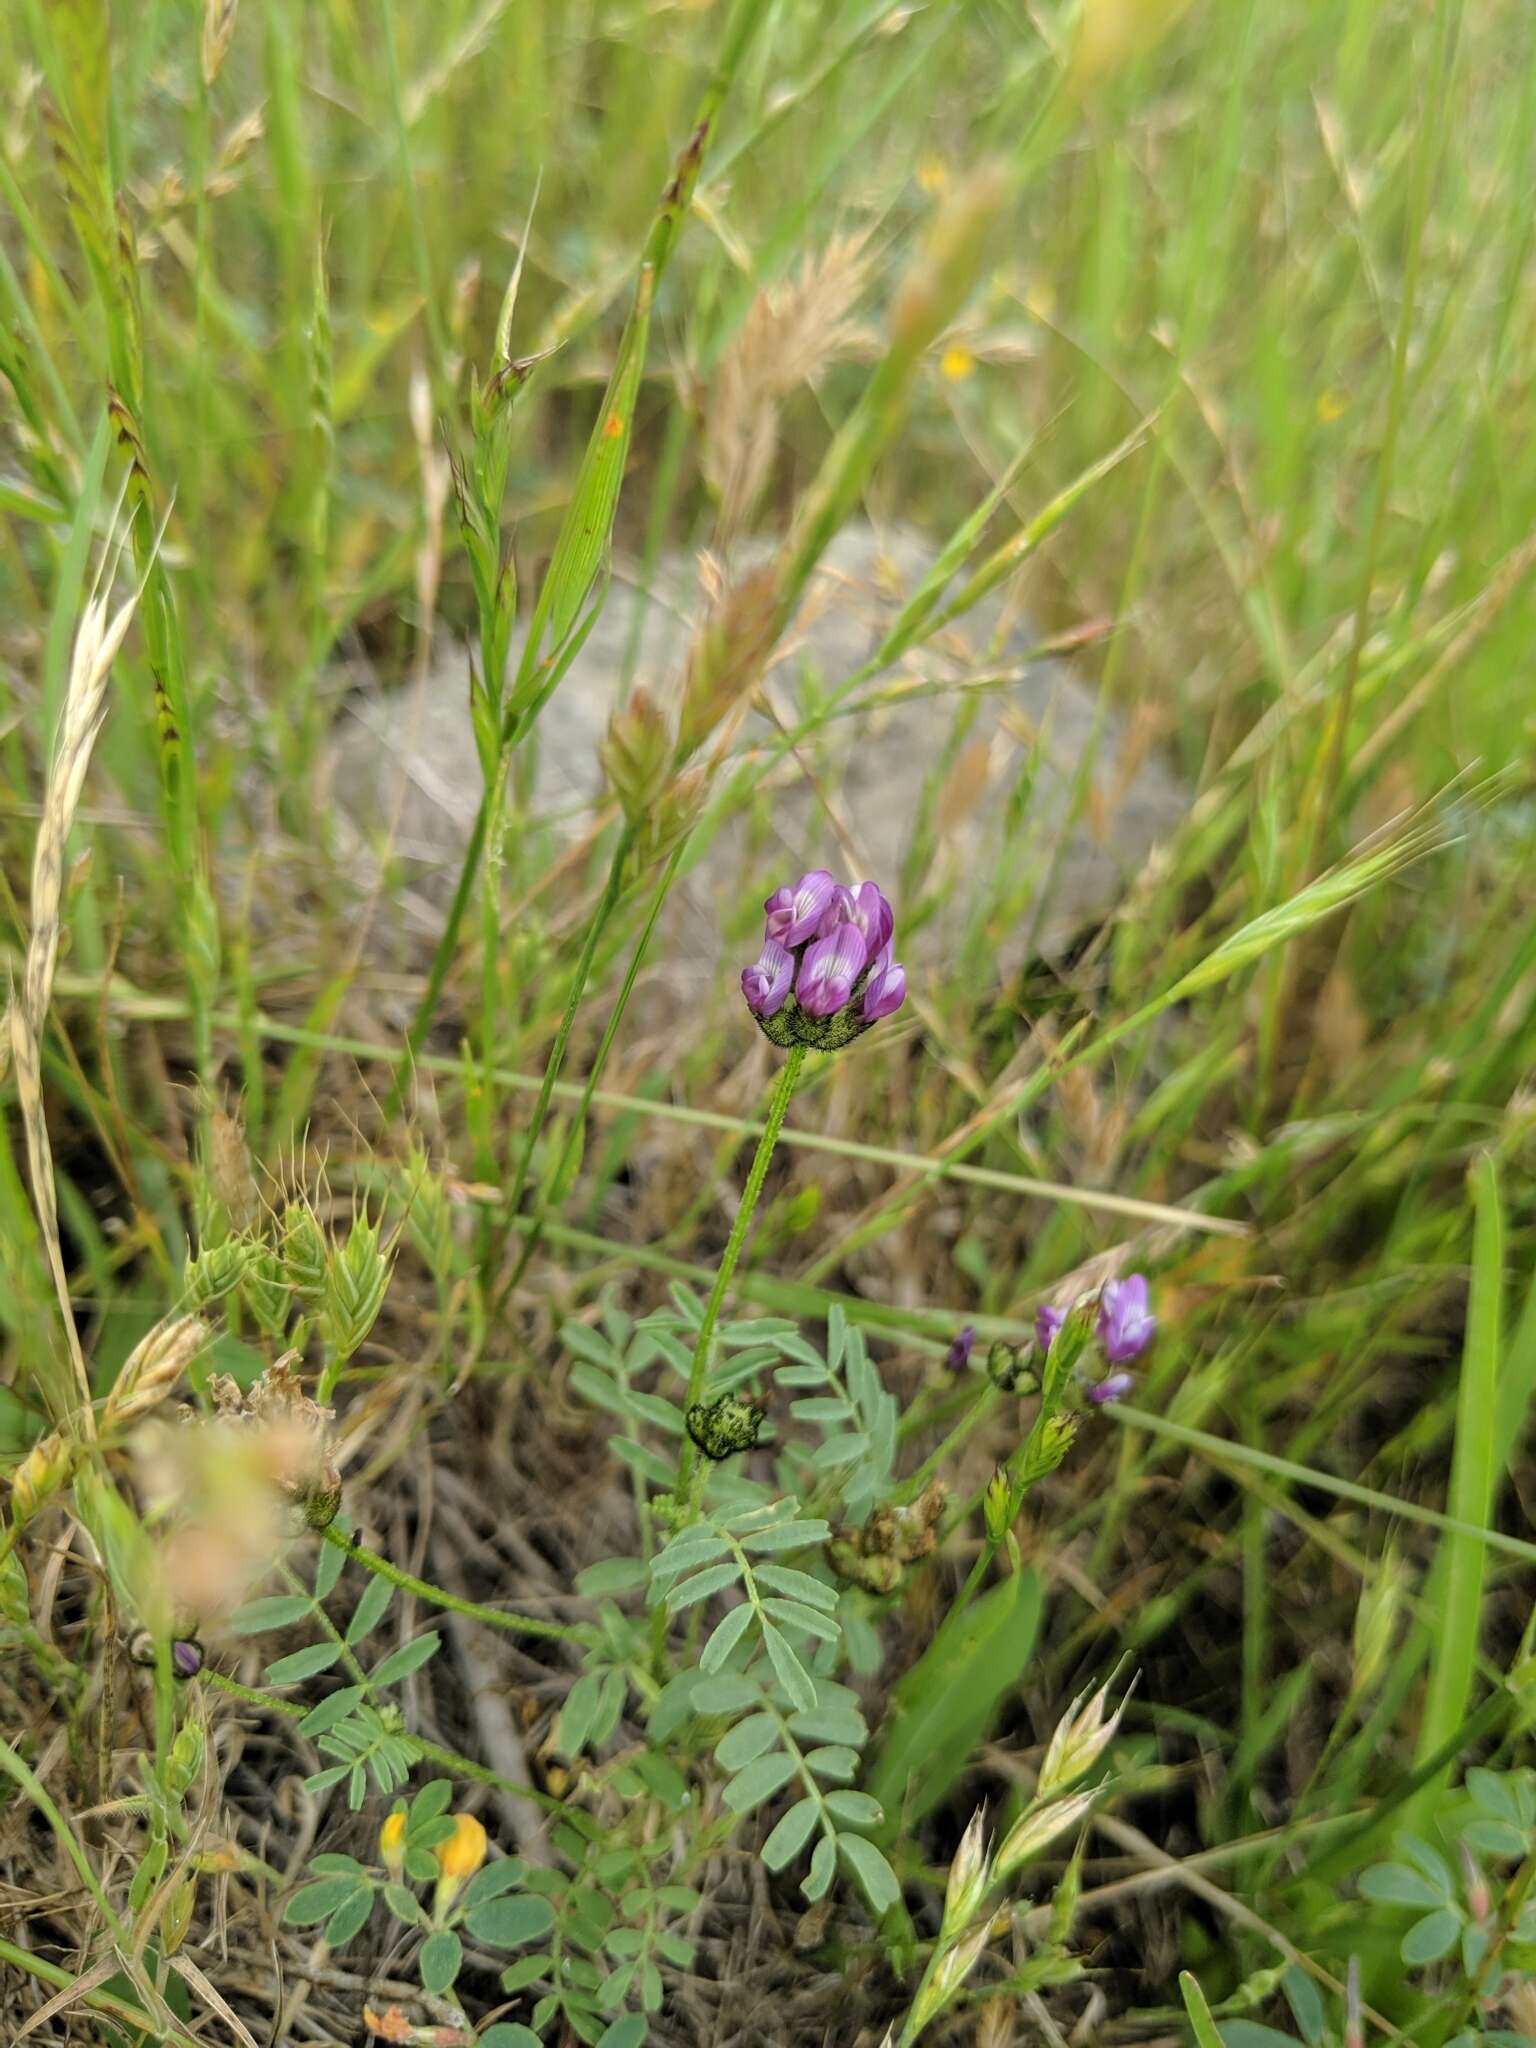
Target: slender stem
{"type": "Point", "coordinates": [604, 911]}
{"type": "Point", "coordinates": [699, 1370]}
{"type": "Point", "coordinates": [438, 1596]}
{"type": "Point", "coordinates": [442, 959]}
{"type": "Point", "coordinates": [610, 1032]}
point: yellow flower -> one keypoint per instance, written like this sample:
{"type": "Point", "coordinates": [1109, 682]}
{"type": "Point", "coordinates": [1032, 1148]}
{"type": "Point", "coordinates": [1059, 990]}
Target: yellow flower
{"type": "Point", "coordinates": [458, 1859]}
{"type": "Point", "coordinates": [956, 362]}
{"type": "Point", "coordinates": [392, 1843]}
{"type": "Point", "coordinates": [932, 173]}
{"type": "Point", "coordinates": [1332, 404]}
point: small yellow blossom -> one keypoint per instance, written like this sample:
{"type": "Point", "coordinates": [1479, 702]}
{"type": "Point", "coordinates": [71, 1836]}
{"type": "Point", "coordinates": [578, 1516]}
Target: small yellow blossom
{"type": "Point", "coordinates": [457, 1860]}
{"type": "Point", "coordinates": [1332, 404]}
{"type": "Point", "coordinates": [956, 363]}
{"type": "Point", "coordinates": [392, 1844]}
{"type": "Point", "coordinates": [932, 173]}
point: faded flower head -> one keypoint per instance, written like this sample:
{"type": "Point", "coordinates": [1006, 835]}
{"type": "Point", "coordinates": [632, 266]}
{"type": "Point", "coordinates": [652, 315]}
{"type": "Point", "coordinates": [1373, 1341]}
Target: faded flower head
{"type": "Point", "coordinates": [827, 970]}
{"type": "Point", "coordinates": [1126, 1323]}
{"type": "Point", "coordinates": [223, 1492]}
{"type": "Point", "coordinates": [295, 1435]}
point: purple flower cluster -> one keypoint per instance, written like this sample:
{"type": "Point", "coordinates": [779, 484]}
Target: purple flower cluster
{"type": "Point", "coordinates": [826, 971]}
{"type": "Point", "coordinates": [1125, 1327]}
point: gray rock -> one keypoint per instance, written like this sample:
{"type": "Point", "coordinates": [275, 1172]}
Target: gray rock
{"type": "Point", "coordinates": [1020, 795]}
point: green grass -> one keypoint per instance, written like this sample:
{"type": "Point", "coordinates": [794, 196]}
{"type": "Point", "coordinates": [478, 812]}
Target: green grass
{"type": "Point", "coordinates": [1215, 351]}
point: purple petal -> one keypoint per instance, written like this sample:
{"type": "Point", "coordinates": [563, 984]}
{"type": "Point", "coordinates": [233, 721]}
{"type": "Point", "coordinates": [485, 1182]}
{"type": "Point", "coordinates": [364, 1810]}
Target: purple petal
{"type": "Point", "coordinates": [886, 988]}
{"type": "Point", "coordinates": [874, 917]}
{"type": "Point", "coordinates": [829, 969]}
{"type": "Point", "coordinates": [766, 982]}
{"type": "Point", "coordinates": [1126, 1322]}
{"type": "Point", "coordinates": [794, 913]}
{"type": "Point", "coordinates": [1110, 1389]}
{"type": "Point", "coordinates": [186, 1659]}
{"type": "Point", "coordinates": [1048, 1321]}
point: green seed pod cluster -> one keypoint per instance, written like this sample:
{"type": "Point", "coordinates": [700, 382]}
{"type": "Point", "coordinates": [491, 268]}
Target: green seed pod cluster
{"type": "Point", "coordinates": [723, 1427]}
{"type": "Point", "coordinates": [1008, 1368]}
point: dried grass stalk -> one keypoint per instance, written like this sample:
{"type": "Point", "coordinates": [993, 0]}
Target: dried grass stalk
{"type": "Point", "coordinates": [98, 638]}
{"type": "Point", "coordinates": [790, 335]}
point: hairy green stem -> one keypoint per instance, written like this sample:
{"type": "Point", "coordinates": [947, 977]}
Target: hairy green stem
{"type": "Point", "coordinates": [699, 1370]}
{"type": "Point", "coordinates": [438, 1596]}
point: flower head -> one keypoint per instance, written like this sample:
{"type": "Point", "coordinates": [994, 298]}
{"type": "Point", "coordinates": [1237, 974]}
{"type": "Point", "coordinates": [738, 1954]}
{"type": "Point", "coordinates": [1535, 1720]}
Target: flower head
{"type": "Point", "coordinates": [1126, 1322]}
{"type": "Point", "coordinates": [827, 969]}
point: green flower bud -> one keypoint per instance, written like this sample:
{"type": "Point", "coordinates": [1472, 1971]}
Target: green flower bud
{"type": "Point", "coordinates": [722, 1428]}
{"type": "Point", "coordinates": [1008, 1368]}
